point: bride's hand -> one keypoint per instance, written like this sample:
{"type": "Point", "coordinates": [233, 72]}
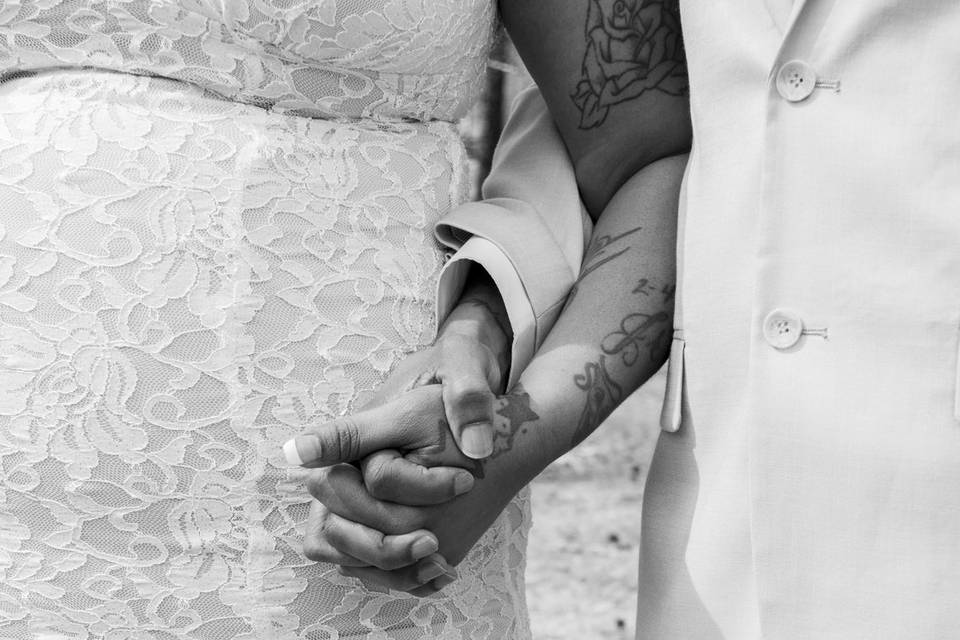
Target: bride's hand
{"type": "Point", "coordinates": [385, 522]}
{"type": "Point", "coordinates": [397, 546]}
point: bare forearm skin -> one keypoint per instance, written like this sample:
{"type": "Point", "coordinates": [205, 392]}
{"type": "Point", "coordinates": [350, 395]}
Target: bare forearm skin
{"type": "Point", "coordinates": [613, 335]}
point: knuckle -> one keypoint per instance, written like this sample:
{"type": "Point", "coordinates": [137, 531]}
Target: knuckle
{"type": "Point", "coordinates": [472, 404]}
{"type": "Point", "coordinates": [342, 539]}
{"type": "Point", "coordinates": [346, 440]}
{"type": "Point", "coordinates": [317, 483]}
{"type": "Point", "coordinates": [392, 563]}
{"type": "Point", "coordinates": [472, 392]}
{"type": "Point", "coordinates": [339, 477]}
{"type": "Point", "coordinates": [411, 519]}
{"type": "Point", "coordinates": [380, 479]}
{"type": "Point", "coordinates": [316, 550]}
{"type": "Point", "coordinates": [430, 483]}
{"type": "Point", "coordinates": [385, 557]}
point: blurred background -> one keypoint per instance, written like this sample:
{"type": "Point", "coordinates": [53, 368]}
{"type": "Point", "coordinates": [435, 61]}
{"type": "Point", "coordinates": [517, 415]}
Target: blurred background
{"type": "Point", "coordinates": [583, 549]}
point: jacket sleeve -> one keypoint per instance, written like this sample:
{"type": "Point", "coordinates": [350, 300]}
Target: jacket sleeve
{"type": "Point", "coordinates": [529, 231]}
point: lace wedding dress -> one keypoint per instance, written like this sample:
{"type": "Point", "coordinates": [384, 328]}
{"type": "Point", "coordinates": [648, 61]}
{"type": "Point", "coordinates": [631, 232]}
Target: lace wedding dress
{"type": "Point", "coordinates": [216, 229]}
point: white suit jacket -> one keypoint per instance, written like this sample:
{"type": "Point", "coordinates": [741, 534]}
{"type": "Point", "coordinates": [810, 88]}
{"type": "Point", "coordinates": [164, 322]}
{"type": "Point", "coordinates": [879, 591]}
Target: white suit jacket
{"type": "Point", "coordinates": [807, 484]}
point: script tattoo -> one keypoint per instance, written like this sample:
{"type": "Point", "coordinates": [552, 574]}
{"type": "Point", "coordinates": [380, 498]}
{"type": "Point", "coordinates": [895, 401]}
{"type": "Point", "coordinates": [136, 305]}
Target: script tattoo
{"type": "Point", "coordinates": [597, 257]}
{"type": "Point", "coordinates": [603, 395]}
{"type": "Point", "coordinates": [633, 46]}
{"type": "Point", "coordinates": [638, 334]}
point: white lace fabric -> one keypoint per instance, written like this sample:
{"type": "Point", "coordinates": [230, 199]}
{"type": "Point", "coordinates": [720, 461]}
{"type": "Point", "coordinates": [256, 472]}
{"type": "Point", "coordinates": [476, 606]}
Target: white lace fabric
{"type": "Point", "coordinates": [186, 281]}
{"type": "Point", "coordinates": [383, 59]}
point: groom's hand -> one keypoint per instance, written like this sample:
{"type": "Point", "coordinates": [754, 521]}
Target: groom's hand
{"type": "Point", "coordinates": [400, 443]}
{"type": "Point", "coordinates": [466, 371]}
{"type": "Point", "coordinates": [414, 449]}
{"type": "Point", "coordinates": [378, 522]}
{"type": "Point", "coordinates": [384, 544]}
{"type": "Point", "coordinates": [470, 360]}
{"type": "Point", "coordinates": [470, 374]}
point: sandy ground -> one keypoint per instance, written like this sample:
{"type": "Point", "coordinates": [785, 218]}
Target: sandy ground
{"type": "Point", "coordinates": [583, 549]}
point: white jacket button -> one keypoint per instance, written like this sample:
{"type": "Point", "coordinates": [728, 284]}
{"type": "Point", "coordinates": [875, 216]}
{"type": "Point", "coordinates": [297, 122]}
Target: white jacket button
{"type": "Point", "coordinates": [796, 81]}
{"type": "Point", "coordinates": [782, 328]}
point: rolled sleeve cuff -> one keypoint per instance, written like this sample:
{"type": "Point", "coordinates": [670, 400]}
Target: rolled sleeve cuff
{"type": "Point", "coordinates": [481, 251]}
{"type": "Point", "coordinates": [527, 266]}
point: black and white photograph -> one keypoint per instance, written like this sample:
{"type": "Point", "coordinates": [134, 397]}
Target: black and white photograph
{"type": "Point", "coordinates": [479, 320]}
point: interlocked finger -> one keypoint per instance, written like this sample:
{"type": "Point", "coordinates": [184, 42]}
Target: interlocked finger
{"type": "Point", "coordinates": [389, 476]}
{"type": "Point", "coordinates": [317, 547]}
{"type": "Point", "coordinates": [373, 548]}
{"type": "Point", "coordinates": [425, 578]}
{"type": "Point", "coordinates": [341, 490]}
{"type": "Point", "coordinates": [406, 422]}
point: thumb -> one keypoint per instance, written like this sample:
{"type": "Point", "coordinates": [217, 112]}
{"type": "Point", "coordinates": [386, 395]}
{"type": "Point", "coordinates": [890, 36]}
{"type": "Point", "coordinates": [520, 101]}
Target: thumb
{"type": "Point", "coordinates": [468, 401]}
{"type": "Point", "coordinates": [402, 423]}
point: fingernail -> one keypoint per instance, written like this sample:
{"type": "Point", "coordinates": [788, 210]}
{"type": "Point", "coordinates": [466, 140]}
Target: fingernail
{"type": "Point", "coordinates": [301, 449]}
{"type": "Point", "coordinates": [445, 580]}
{"type": "Point", "coordinates": [462, 483]}
{"type": "Point", "coordinates": [476, 440]}
{"type": "Point", "coordinates": [429, 571]}
{"type": "Point", "coordinates": [423, 547]}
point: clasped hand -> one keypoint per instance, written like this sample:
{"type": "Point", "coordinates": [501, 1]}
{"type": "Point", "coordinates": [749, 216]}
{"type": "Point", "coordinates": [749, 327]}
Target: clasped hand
{"type": "Point", "coordinates": [397, 503]}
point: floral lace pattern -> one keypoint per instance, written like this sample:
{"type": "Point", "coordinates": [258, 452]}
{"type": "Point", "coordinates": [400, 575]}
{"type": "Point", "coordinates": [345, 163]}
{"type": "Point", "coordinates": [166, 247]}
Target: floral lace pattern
{"type": "Point", "coordinates": [384, 59]}
{"type": "Point", "coordinates": [185, 283]}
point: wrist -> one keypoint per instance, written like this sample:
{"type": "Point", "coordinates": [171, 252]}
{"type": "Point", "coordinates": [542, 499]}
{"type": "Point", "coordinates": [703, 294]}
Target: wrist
{"type": "Point", "coordinates": [481, 316]}
{"type": "Point", "coordinates": [472, 321]}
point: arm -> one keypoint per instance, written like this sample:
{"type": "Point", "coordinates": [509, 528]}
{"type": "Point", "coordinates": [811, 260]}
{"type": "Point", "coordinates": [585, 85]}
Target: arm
{"type": "Point", "coordinates": [629, 70]}
{"type": "Point", "coordinates": [612, 336]}
{"type": "Point", "coordinates": [470, 359]}
{"type": "Point", "coordinates": [625, 107]}
{"type": "Point", "coordinates": [529, 232]}
{"type": "Point", "coordinates": [614, 76]}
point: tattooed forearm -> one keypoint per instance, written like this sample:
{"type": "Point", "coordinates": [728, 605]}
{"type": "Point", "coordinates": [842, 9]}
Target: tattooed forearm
{"type": "Point", "coordinates": [597, 257]}
{"type": "Point", "coordinates": [603, 396]}
{"type": "Point", "coordinates": [603, 242]}
{"type": "Point", "coordinates": [669, 292]}
{"type": "Point", "coordinates": [638, 334]}
{"type": "Point", "coordinates": [633, 46]}
{"type": "Point", "coordinates": [645, 288]}
{"type": "Point", "coordinates": [590, 268]}
{"type": "Point", "coordinates": [513, 413]}
{"type": "Point", "coordinates": [515, 410]}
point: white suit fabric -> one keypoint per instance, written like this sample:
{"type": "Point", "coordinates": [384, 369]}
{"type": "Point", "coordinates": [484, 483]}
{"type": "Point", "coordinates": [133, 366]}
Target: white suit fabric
{"type": "Point", "coordinates": [807, 484]}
